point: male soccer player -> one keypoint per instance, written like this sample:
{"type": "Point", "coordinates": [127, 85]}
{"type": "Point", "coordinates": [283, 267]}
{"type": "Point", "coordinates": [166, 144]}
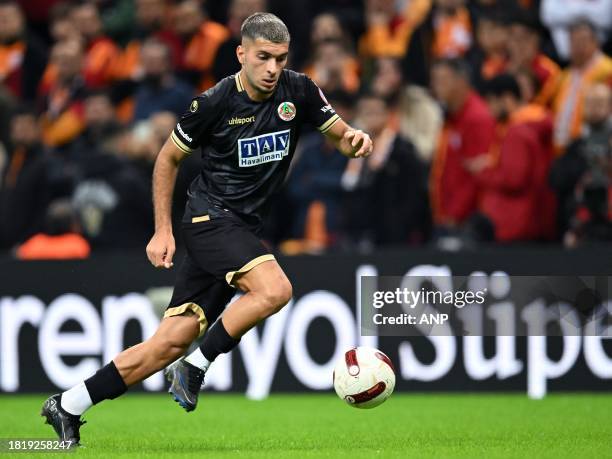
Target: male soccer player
{"type": "Point", "coordinates": [247, 126]}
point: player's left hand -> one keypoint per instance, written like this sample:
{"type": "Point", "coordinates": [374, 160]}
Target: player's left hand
{"type": "Point", "coordinates": [359, 142]}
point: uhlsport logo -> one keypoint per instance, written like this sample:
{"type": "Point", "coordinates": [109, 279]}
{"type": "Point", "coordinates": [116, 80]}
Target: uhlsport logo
{"type": "Point", "coordinates": [236, 120]}
{"type": "Point", "coordinates": [263, 148]}
{"type": "Point", "coordinates": [286, 111]}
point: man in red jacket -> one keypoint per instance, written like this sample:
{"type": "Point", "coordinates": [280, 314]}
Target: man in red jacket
{"type": "Point", "coordinates": [467, 134]}
{"type": "Point", "coordinates": [512, 178]}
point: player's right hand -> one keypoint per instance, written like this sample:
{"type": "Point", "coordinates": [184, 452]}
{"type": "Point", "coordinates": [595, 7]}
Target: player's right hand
{"type": "Point", "coordinates": [160, 250]}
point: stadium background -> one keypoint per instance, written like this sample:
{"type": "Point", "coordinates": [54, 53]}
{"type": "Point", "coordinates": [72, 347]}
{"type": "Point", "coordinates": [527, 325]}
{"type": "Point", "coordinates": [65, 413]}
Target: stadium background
{"type": "Point", "coordinates": [90, 90]}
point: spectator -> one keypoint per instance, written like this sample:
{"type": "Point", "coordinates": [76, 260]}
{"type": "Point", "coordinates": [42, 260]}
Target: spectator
{"type": "Point", "coordinates": [588, 65]}
{"type": "Point", "coordinates": [226, 62]}
{"type": "Point", "coordinates": [334, 69]}
{"type": "Point", "coordinates": [452, 29]}
{"type": "Point", "coordinates": [160, 90]}
{"type": "Point", "coordinates": [201, 38]}
{"type": "Point", "coordinates": [413, 110]}
{"type": "Point", "coordinates": [100, 124]}
{"type": "Point", "coordinates": [23, 192]}
{"type": "Point", "coordinates": [586, 159]}
{"type": "Point", "coordinates": [61, 238]}
{"type": "Point", "coordinates": [151, 22]}
{"type": "Point", "coordinates": [22, 56]}
{"type": "Point", "coordinates": [327, 27]}
{"type": "Point", "coordinates": [467, 133]}
{"type": "Point", "coordinates": [146, 139]}
{"type": "Point", "coordinates": [61, 29]}
{"type": "Point", "coordinates": [525, 55]}
{"type": "Point", "coordinates": [490, 57]}
{"type": "Point", "coordinates": [387, 192]}
{"type": "Point", "coordinates": [61, 25]}
{"type": "Point", "coordinates": [113, 198]}
{"type": "Point", "coordinates": [512, 178]}
{"type": "Point", "coordinates": [388, 31]}
{"type": "Point", "coordinates": [118, 19]}
{"type": "Point", "coordinates": [62, 119]}
{"type": "Point", "coordinates": [100, 51]}
{"type": "Point", "coordinates": [560, 15]}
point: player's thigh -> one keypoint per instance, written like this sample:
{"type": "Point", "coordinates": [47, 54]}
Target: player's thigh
{"type": "Point", "coordinates": [199, 293]}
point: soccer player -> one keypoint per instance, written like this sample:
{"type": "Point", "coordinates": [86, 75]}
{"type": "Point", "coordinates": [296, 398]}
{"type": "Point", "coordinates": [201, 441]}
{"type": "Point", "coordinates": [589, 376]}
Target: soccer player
{"type": "Point", "coordinates": [247, 126]}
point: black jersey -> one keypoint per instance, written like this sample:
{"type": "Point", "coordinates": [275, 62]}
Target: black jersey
{"type": "Point", "coordinates": [247, 145]}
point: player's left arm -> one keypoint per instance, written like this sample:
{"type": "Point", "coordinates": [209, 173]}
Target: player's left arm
{"type": "Point", "coordinates": [353, 143]}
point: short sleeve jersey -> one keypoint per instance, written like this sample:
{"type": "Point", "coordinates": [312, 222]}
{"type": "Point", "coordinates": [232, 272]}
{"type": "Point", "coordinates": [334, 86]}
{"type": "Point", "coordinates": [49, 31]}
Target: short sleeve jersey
{"type": "Point", "coordinates": [247, 146]}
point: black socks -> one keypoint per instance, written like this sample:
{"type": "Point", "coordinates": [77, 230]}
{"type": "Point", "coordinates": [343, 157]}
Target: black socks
{"type": "Point", "coordinates": [217, 341]}
{"type": "Point", "coordinates": [105, 384]}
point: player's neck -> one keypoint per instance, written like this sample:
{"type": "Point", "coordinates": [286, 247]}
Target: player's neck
{"type": "Point", "coordinates": [252, 92]}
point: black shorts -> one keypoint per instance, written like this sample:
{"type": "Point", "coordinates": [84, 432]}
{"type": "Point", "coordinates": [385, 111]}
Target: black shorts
{"type": "Point", "coordinates": [218, 248]}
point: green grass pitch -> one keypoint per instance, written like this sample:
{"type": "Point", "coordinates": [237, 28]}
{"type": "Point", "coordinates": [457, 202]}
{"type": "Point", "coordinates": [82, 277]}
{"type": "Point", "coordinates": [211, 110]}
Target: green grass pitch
{"type": "Point", "coordinates": [313, 426]}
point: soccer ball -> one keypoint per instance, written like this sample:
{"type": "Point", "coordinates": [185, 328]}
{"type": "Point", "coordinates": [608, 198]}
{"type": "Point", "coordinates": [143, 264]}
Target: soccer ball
{"type": "Point", "coordinates": [364, 377]}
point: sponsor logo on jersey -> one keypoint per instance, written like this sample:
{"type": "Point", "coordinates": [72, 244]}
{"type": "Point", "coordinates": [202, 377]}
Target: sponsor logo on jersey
{"type": "Point", "coordinates": [194, 106]}
{"type": "Point", "coordinates": [264, 148]}
{"type": "Point", "coordinates": [236, 120]}
{"type": "Point", "coordinates": [328, 108]}
{"type": "Point", "coordinates": [286, 111]}
{"type": "Point", "coordinates": [182, 133]}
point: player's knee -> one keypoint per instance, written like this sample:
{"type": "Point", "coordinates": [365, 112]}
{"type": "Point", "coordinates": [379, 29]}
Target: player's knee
{"type": "Point", "coordinates": [277, 296]}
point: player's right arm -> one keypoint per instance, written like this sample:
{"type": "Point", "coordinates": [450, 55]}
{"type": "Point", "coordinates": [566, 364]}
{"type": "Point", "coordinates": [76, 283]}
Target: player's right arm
{"type": "Point", "coordinates": [161, 248]}
{"type": "Point", "coordinates": [187, 136]}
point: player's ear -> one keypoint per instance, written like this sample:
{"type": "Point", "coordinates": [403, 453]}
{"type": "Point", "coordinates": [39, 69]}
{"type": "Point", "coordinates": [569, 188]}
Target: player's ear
{"type": "Point", "coordinates": [240, 54]}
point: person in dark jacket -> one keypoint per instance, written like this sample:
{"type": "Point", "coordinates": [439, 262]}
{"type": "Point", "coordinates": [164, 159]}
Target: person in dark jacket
{"type": "Point", "coordinates": [23, 188]}
{"type": "Point", "coordinates": [387, 193]}
{"type": "Point", "coordinates": [581, 176]}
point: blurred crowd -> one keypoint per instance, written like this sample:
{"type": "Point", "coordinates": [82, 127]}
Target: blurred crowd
{"type": "Point", "coordinates": [491, 120]}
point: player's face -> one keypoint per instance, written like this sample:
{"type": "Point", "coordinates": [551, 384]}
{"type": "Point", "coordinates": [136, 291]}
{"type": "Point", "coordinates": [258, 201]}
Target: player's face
{"type": "Point", "coordinates": [262, 63]}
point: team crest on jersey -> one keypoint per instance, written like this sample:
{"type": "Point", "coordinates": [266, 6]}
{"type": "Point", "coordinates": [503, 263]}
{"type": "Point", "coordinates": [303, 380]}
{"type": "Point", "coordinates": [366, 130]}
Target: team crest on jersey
{"type": "Point", "coordinates": [194, 106]}
{"type": "Point", "coordinates": [264, 148]}
{"type": "Point", "coordinates": [286, 111]}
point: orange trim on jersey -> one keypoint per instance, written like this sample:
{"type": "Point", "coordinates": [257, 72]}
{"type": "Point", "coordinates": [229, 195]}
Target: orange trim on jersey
{"type": "Point", "coordinates": [17, 160]}
{"type": "Point", "coordinates": [202, 48]}
{"type": "Point", "coordinates": [63, 129]}
{"type": "Point", "coordinates": [600, 70]}
{"type": "Point", "coordinates": [452, 34]}
{"type": "Point", "coordinates": [11, 58]}
{"type": "Point", "coordinates": [435, 177]}
{"type": "Point", "coordinates": [99, 60]}
{"type": "Point", "coordinates": [381, 40]}
{"type": "Point", "coordinates": [127, 63]}
{"type": "Point", "coordinates": [551, 83]}
{"type": "Point", "coordinates": [493, 66]}
{"type": "Point", "coordinates": [529, 113]}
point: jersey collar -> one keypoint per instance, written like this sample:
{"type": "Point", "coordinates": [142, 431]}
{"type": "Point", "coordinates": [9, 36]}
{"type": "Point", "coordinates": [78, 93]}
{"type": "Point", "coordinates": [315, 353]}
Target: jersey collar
{"type": "Point", "coordinates": [239, 85]}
